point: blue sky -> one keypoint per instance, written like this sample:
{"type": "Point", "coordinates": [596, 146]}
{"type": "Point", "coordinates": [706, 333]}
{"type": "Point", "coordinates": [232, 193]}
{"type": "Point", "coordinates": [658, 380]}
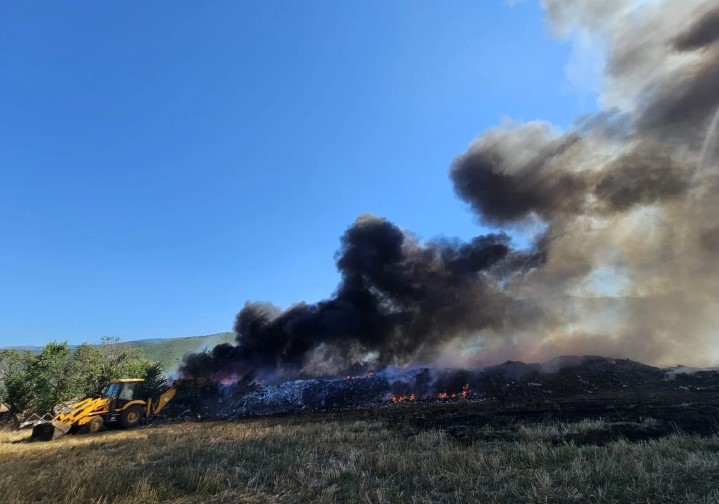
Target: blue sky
{"type": "Point", "coordinates": [162, 163]}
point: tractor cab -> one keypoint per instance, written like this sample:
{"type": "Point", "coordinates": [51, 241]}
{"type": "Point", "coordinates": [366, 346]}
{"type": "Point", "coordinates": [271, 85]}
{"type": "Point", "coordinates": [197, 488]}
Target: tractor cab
{"type": "Point", "coordinates": [120, 392]}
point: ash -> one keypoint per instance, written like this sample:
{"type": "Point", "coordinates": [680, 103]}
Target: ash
{"type": "Point", "coordinates": [319, 394]}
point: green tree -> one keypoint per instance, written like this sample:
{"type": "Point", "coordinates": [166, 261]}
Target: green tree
{"type": "Point", "coordinates": [37, 382]}
{"type": "Point", "coordinates": [98, 365]}
{"type": "Point", "coordinates": [154, 378]}
{"type": "Point", "coordinates": [118, 360]}
{"type": "Point", "coordinates": [11, 363]}
{"type": "Point", "coordinates": [43, 379]}
{"type": "Point", "coordinates": [15, 389]}
{"type": "Point", "coordinates": [88, 360]}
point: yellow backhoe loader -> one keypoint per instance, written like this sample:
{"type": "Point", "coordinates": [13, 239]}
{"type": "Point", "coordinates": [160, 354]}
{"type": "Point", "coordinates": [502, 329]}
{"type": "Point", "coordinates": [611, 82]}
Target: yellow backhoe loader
{"type": "Point", "coordinates": [123, 402]}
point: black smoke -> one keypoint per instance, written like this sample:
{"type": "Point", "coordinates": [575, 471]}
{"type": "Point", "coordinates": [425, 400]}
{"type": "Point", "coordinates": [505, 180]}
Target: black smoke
{"type": "Point", "coordinates": [398, 301]}
{"type": "Point", "coordinates": [506, 181]}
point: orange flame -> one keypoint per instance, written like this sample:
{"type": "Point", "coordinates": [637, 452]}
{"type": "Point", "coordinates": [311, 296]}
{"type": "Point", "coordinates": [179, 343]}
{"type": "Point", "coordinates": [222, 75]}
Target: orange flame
{"type": "Point", "coordinates": [398, 398]}
{"type": "Point", "coordinates": [403, 398]}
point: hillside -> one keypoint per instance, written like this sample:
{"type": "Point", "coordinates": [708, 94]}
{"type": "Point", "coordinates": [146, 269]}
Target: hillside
{"type": "Point", "coordinates": [167, 351]}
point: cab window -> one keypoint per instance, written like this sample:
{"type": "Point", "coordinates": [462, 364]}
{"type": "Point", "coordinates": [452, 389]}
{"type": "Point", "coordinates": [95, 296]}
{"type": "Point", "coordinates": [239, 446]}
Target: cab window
{"type": "Point", "coordinates": [128, 391]}
{"type": "Point", "coordinates": [112, 390]}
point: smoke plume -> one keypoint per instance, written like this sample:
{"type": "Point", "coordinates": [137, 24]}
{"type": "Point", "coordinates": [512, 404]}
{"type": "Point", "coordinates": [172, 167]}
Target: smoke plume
{"type": "Point", "coordinates": [626, 201]}
{"type": "Point", "coordinates": [398, 300]}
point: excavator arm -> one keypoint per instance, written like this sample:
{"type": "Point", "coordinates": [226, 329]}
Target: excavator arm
{"type": "Point", "coordinates": [162, 401]}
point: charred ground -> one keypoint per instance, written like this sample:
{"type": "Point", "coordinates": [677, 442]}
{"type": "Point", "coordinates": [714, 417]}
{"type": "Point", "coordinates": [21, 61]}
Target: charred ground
{"type": "Point", "coordinates": [624, 399]}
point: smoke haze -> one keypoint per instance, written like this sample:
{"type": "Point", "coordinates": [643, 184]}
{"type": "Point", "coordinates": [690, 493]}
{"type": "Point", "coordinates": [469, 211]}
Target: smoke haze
{"type": "Point", "coordinates": [626, 201]}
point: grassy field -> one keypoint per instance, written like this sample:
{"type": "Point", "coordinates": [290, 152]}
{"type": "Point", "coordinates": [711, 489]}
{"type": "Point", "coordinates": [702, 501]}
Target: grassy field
{"type": "Point", "coordinates": [326, 458]}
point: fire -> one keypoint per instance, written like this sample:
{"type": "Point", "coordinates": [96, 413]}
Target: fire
{"type": "Point", "coordinates": [403, 398]}
{"type": "Point", "coordinates": [398, 398]}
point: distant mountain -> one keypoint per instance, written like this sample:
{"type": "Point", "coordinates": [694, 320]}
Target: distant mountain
{"type": "Point", "coordinates": [23, 348]}
{"type": "Point", "coordinates": [167, 351]}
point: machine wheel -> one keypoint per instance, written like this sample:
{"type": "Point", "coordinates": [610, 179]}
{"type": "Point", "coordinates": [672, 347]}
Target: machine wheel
{"type": "Point", "coordinates": [95, 425]}
{"type": "Point", "coordinates": [131, 416]}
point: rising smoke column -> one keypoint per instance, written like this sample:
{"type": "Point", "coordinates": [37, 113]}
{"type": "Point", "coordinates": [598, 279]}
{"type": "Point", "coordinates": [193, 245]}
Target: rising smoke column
{"type": "Point", "coordinates": [628, 196]}
{"type": "Point", "coordinates": [627, 202]}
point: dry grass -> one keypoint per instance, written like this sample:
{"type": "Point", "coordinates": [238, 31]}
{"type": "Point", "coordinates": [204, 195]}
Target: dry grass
{"type": "Point", "coordinates": [291, 460]}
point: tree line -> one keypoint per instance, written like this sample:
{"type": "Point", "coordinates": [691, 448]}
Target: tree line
{"type": "Point", "coordinates": [35, 382]}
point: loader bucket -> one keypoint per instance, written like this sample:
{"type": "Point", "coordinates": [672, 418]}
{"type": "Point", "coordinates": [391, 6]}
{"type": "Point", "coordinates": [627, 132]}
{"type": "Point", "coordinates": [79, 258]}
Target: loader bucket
{"type": "Point", "coordinates": [47, 431]}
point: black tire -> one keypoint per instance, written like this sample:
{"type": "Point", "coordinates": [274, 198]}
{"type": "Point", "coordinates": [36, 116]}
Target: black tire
{"type": "Point", "coordinates": [131, 416]}
{"type": "Point", "coordinates": [95, 425]}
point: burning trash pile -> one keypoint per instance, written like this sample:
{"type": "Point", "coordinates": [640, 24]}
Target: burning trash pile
{"type": "Point", "coordinates": [559, 377]}
{"type": "Point", "coordinates": [336, 394]}
{"type": "Point", "coordinates": [311, 395]}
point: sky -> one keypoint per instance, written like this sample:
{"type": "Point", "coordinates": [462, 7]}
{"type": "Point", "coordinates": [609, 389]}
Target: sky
{"type": "Point", "coordinates": [163, 163]}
